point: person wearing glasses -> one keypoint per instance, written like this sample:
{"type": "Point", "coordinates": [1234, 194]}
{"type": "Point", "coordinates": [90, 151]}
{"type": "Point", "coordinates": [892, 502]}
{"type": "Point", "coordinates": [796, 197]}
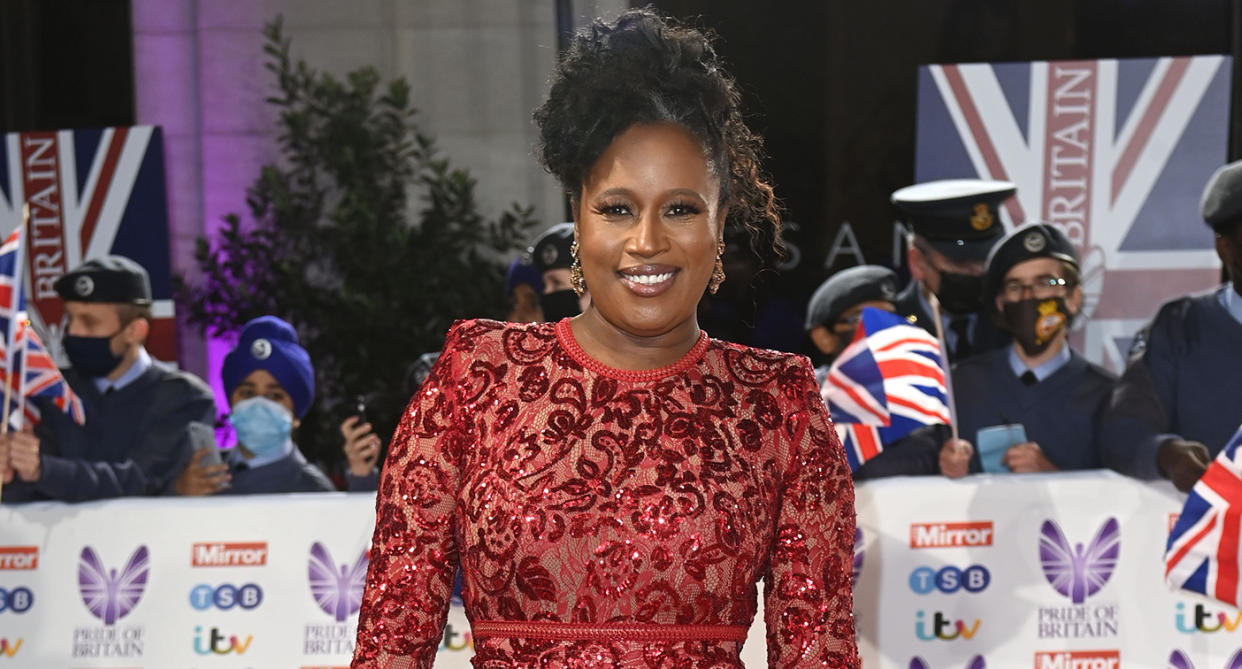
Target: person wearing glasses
{"type": "Point", "coordinates": [1034, 405]}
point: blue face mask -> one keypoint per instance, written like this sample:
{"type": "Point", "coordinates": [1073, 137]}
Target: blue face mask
{"type": "Point", "coordinates": [91, 356]}
{"type": "Point", "coordinates": [263, 427]}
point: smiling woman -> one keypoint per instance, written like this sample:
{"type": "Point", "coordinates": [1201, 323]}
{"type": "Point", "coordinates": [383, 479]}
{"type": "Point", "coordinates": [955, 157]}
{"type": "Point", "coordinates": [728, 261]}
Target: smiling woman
{"type": "Point", "coordinates": [614, 485]}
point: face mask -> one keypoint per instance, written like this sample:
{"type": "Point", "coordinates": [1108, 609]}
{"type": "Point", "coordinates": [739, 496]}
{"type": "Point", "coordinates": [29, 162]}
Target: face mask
{"type": "Point", "coordinates": [262, 426]}
{"type": "Point", "coordinates": [960, 293]}
{"type": "Point", "coordinates": [92, 356]}
{"type": "Point", "coordinates": [1034, 323]}
{"type": "Point", "coordinates": [559, 304]}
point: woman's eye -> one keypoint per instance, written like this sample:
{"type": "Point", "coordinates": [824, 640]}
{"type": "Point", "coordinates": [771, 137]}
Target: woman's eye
{"type": "Point", "coordinates": [683, 209]}
{"type": "Point", "coordinates": [613, 210]}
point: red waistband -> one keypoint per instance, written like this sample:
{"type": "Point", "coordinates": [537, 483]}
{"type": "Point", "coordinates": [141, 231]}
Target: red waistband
{"type": "Point", "coordinates": [543, 630]}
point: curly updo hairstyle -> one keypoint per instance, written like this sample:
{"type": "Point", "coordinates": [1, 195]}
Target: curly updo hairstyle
{"type": "Point", "coordinates": [649, 69]}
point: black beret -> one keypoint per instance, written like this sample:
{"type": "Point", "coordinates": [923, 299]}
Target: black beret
{"type": "Point", "coordinates": [1221, 205]}
{"type": "Point", "coordinates": [550, 250]}
{"type": "Point", "coordinates": [847, 288]}
{"type": "Point", "coordinates": [958, 217]}
{"type": "Point", "coordinates": [106, 279]}
{"type": "Point", "coordinates": [1027, 242]}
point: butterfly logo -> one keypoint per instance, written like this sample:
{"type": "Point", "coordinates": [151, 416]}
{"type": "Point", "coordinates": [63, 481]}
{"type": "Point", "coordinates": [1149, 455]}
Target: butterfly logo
{"type": "Point", "coordinates": [976, 662]}
{"type": "Point", "coordinates": [338, 591]}
{"type": "Point", "coordinates": [858, 553]}
{"type": "Point", "coordinates": [1074, 572]}
{"type": "Point", "coordinates": [108, 595]}
{"type": "Point", "coordinates": [1178, 660]}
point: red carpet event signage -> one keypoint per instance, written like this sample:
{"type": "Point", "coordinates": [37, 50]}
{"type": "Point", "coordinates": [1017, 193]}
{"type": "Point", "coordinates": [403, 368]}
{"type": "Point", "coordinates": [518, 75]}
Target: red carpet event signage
{"type": "Point", "coordinates": [986, 573]}
{"type": "Point", "coordinates": [91, 193]}
{"type": "Point", "coordinates": [1116, 152]}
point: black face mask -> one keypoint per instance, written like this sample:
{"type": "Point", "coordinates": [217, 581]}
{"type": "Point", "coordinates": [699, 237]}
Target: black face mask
{"type": "Point", "coordinates": [92, 356]}
{"type": "Point", "coordinates": [960, 293]}
{"type": "Point", "coordinates": [1034, 323]}
{"type": "Point", "coordinates": [559, 304]}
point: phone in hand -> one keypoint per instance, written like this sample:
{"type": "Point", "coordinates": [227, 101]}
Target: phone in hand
{"type": "Point", "coordinates": [360, 409]}
{"type": "Point", "coordinates": [992, 442]}
{"type": "Point", "coordinates": [203, 435]}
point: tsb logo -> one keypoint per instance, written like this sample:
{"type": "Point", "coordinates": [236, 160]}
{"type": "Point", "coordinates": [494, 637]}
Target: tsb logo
{"type": "Point", "coordinates": [19, 557]}
{"type": "Point", "coordinates": [950, 535]}
{"type": "Point", "coordinates": [17, 600]}
{"type": "Point", "coordinates": [950, 579]}
{"type": "Point", "coordinates": [1079, 659]}
{"type": "Point", "coordinates": [226, 596]}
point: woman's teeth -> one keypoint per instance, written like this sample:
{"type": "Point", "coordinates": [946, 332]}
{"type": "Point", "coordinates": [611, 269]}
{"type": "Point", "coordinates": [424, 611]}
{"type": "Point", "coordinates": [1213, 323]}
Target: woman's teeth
{"type": "Point", "coordinates": [651, 279]}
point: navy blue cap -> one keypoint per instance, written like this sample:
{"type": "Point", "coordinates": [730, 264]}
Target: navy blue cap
{"type": "Point", "coordinates": [270, 344]}
{"type": "Point", "coordinates": [551, 249]}
{"type": "Point", "coordinates": [521, 271]}
{"type": "Point", "coordinates": [106, 279]}
{"type": "Point", "coordinates": [864, 283]}
{"type": "Point", "coordinates": [1027, 242]}
{"type": "Point", "coordinates": [958, 217]}
{"type": "Point", "coordinates": [1221, 204]}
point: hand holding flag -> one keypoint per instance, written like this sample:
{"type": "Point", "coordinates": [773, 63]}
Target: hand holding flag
{"type": "Point", "coordinates": [888, 382]}
{"type": "Point", "coordinates": [1203, 551]}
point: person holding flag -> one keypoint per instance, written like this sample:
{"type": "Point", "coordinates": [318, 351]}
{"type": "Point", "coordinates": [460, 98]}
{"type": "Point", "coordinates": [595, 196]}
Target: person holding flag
{"type": "Point", "coordinates": [137, 434]}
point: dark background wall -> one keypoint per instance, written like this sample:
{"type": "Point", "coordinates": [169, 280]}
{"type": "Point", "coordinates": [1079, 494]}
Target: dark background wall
{"type": "Point", "coordinates": [831, 85]}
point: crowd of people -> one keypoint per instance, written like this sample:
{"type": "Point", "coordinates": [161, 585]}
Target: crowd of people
{"type": "Point", "coordinates": [600, 418]}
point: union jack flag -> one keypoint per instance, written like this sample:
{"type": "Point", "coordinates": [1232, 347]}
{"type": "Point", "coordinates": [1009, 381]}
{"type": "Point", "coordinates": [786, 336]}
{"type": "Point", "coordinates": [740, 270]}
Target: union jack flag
{"type": "Point", "coordinates": [1116, 152]}
{"type": "Point", "coordinates": [91, 193]}
{"type": "Point", "coordinates": [1203, 551]}
{"type": "Point", "coordinates": [885, 384]}
{"type": "Point", "coordinates": [24, 362]}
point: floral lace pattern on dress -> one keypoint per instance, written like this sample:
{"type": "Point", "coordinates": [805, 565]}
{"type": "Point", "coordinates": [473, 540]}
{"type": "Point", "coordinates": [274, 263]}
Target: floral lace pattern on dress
{"type": "Point", "coordinates": [570, 492]}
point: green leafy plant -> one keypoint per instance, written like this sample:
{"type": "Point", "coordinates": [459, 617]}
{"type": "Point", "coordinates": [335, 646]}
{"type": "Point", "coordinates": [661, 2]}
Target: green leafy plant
{"type": "Point", "coordinates": [363, 237]}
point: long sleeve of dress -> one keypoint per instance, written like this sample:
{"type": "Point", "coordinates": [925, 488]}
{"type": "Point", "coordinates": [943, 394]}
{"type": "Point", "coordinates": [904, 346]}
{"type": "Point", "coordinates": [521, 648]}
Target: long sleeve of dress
{"type": "Point", "coordinates": [808, 605]}
{"type": "Point", "coordinates": [413, 555]}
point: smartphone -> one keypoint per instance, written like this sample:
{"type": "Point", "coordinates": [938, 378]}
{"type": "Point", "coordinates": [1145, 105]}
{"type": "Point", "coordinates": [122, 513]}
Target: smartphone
{"type": "Point", "coordinates": [992, 443]}
{"type": "Point", "coordinates": [360, 409]}
{"type": "Point", "coordinates": [202, 435]}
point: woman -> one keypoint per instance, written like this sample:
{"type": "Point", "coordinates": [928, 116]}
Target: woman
{"type": "Point", "coordinates": [615, 484]}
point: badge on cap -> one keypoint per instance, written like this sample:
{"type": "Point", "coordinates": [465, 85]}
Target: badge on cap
{"type": "Point", "coordinates": [84, 286]}
{"type": "Point", "coordinates": [1034, 242]}
{"type": "Point", "coordinates": [261, 349]}
{"type": "Point", "coordinates": [549, 255]}
{"type": "Point", "coordinates": [982, 220]}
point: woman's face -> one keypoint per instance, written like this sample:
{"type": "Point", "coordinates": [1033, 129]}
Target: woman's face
{"type": "Point", "coordinates": [260, 383]}
{"type": "Point", "coordinates": [648, 224]}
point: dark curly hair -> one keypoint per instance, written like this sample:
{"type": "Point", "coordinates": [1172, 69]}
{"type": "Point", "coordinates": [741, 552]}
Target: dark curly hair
{"type": "Point", "coordinates": [648, 69]}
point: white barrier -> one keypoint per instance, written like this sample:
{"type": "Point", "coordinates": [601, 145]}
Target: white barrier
{"type": "Point", "coordinates": [950, 571]}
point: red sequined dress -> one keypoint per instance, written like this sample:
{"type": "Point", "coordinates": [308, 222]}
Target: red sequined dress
{"type": "Point", "coordinates": [609, 518]}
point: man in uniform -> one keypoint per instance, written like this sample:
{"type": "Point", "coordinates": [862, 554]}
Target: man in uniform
{"type": "Point", "coordinates": [1180, 398]}
{"type": "Point", "coordinates": [954, 222]}
{"type": "Point", "coordinates": [1036, 401]}
{"type": "Point", "coordinates": [552, 254]}
{"type": "Point", "coordinates": [835, 309]}
{"type": "Point", "coordinates": [139, 413]}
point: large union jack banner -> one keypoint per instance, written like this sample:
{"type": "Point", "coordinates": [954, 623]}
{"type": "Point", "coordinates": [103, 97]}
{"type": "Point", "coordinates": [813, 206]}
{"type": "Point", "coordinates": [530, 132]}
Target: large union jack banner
{"type": "Point", "coordinates": [91, 193]}
{"type": "Point", "coordinates": [1116, 152]}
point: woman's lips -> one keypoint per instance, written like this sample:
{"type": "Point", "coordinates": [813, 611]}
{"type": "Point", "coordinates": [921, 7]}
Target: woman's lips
{"type": "Point", "coordinates": [648, 280]}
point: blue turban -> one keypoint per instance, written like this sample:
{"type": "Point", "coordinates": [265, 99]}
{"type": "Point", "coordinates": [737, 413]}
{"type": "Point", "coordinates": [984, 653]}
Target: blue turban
{"type": "Point", "coordinates": [271, 344]}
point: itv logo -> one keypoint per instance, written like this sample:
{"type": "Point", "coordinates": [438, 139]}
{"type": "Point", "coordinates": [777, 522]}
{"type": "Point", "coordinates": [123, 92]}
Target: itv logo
{"type": "Point", "coordinates": [215, 643]}
{"type": "Point", "coordinates": [942, 628]}
{"type": "Point", "coordinates": [9, 648]}
{"type": "Point", "coordinates": [1205, 620]}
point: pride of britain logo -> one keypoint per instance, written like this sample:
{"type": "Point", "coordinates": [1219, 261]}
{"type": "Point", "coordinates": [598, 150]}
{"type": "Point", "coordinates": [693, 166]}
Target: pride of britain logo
{"type": "Point", "coordinates": [976, 662]}
{"type": "Point", "coordinates": [1078, 572]}
{"type": "Point", "coordinates": [1179, 660]}
{"type": "Point", "coordinates": [111, 594]}
{"type": "Point", "coordinates": [337, 589]}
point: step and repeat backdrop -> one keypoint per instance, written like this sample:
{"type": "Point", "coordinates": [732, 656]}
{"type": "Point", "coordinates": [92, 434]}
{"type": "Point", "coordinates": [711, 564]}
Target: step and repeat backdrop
{"type": "Point", "coordinates": [1058, 571]}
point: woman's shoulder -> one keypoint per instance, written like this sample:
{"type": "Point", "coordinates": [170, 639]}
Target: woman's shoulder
{"type": "Point", "coordinates": [760, 364]}
{"type": "Point", "coordinates": [486, 338]}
